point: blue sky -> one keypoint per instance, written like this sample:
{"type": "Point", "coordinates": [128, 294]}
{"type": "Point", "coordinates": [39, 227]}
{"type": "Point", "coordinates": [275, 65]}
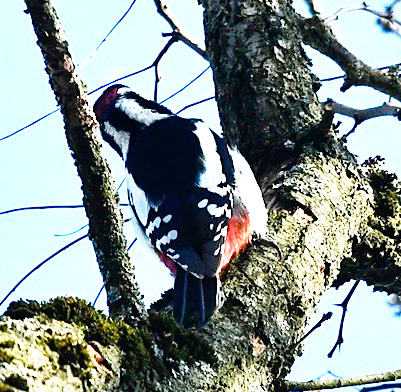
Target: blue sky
{"type": "Point", "coordinates": [37, 169]}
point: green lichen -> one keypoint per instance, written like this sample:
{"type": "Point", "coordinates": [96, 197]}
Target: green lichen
{"type": "Point", "coordinates": [5, 387]}
{"type": "Point", "coordinates": [387, 217]}
{"type": "Point", "coordinates": [70, 352]}
{"type": "Point", "coordinates": [71, 310]}
{"type": "Point", "coordinates": [178, 343]}
{"type": "Point", "coordinates": [5, 356]}
{"type": "Point", "coordinates": [7, 344]}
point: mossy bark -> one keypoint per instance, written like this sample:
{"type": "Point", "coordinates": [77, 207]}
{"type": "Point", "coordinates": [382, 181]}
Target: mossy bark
{"type": "Point", "coordinates": [328, 215]}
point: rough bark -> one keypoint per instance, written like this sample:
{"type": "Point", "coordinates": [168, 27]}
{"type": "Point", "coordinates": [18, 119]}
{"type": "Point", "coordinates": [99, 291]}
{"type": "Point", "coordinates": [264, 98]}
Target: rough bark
{"type": "Point", "coordinates": [99, 195]}
{"type": "Point", "coordinates": [329, 214]}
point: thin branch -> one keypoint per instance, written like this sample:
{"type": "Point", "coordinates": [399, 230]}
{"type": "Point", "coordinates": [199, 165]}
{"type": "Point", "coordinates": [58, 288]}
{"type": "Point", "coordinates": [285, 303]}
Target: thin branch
{"type": "Point", "coordinates": [162, 10]}
{"type": "Point", "coordinates": [72, 232]}
{"type": "Point", "coordinates": [194, 104]}
{"type": "Point", "coordinates": [186, 86]}
{"type": "Point", "coordinates": [48, 208]}
{"type": "Point", "coordinates": [342, 382]}
{"type": "Point", "coordinates": [85, 62]}
{"type": "Point", "coordinates": [155, 64]}
{"type": "Point", "coordinates": [381, 387]}
{"type": "Point", "coordinates": [361, 115]}
{"type": "Point", "coordinates": [98, 295]}
{"type": "Point", "coordinates": [385, 19]}
{"type": "Point", "coordinates": [29, 125]}
{"type": "Point", "coordinates": [344, 306]}
{"type": "Point", "coordinates": [40, 208]}
{"type": "Point", "coordinates": [386, 67]}
{"type": "Point", "coordinates": [100, 197]}
{"type": "Point", "coordinates": [41, 264]}
{"type": "Point", "coordinates": [320, 37]}
{"type": "Point", "coordinates": [312, 7]}
{"type": "Point", "coordinates": [345, 10]}
{"type": "Point", "coordinates": [101, 290]}
{"type": "Point", "coordinates": [325, 317]}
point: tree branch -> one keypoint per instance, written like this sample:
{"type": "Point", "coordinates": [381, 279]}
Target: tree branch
{"type": "Point", "coordinates": [163, 11]}
{"type": "Point", "coordinates": [344, 306]}
{"type": "Point", "coordinates": [361, 115]}
{"type": "Point", "coordinates": [100, 197]}
{"type": "Point", "coordinates": [385, 19]}
{"type": "Point", "coordinates": [320, 37]}
{"type": "Point", "coordinates": [341, 382]}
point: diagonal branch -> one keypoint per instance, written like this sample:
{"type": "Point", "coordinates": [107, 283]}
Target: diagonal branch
{"type": "Point", "coordinates": [320, 37]}
{"type": "Point", "coordinates": [100, 197]}
{"type": "Point", "coordinates": [344, 306]}
{"type": "Point", "coordinates": [341, 382]}
{"type": "Point", "coordinates": [162, 10]}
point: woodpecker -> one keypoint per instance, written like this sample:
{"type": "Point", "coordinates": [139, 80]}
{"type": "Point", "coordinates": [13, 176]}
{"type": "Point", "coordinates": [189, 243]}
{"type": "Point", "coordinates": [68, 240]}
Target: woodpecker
{"type": "Point", "coordinates": [194, 199]}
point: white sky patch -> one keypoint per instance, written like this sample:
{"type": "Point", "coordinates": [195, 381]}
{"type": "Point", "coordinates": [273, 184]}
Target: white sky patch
{"type": "Point", "coordinates": [213, 174]}
{"type": "Point", "coordinates": [120, 137]}
{"type": "Point", "coordinates": [137, 113]}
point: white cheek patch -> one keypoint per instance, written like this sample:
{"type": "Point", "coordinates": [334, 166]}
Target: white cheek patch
{"type": "Point", "coordinates": [138, 113]}
{"type": "Point", "coordinates": [120, 137]}
{"type": "Point", "coordinates": [213, 174]}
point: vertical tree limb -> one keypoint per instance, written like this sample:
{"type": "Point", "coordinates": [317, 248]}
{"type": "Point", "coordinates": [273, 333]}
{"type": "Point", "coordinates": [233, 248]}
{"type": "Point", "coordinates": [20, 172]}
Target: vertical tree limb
{"type": "Point", "coordinates": [100, 197]}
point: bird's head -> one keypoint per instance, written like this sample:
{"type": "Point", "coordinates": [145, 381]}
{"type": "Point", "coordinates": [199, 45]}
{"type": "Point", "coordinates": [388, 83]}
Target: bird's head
{"type": "Point", "coordinates": [120, 112]}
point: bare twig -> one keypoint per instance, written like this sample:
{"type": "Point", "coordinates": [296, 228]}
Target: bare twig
{"type": "Point", "coordinates": [386, 67]}
{"type": "Point", "coordinates": [341, 382]}
{"type": "Point", "coordinates": [186, 86]}
{"type": "Point", "coordinates": [320, 37]}
{"type": "Point", "coordinates": [155, 63]}
{"type": "Point", "coordinates": [40, 265]}
{"type": "Point", "coordinates": [194, 104]}
{"type": "Point", "coordinates": [85, 62]}
{"type": "Point", "coordinates": [162, 10]}
{"type": "Point", "coordinates": [345, 10]}
{"type": "Point", "coordinates": [386, 19]}
{"type": "Point", "coordinates": [344, 306]}
{"type": "Point", "coordinates": [361, 115]}
{"type": "Point", "coordinates": [48, 208]}
{"type": "Point", "coordinates": [102, 288]}
{"type": "Point", "coordinates": [312, 7]}
{"type": "Point", "coordinates": [100, 196]}
{"type": "Point", "coordinates": [381, 387]}
{"type": "Point", "coordinates": [325, 317]}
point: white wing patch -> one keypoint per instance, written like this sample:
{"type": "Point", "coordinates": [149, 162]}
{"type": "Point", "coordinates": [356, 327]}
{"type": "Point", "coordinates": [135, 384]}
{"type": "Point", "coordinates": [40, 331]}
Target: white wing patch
{"type": "Point", "coordinates": [138, 199]}
{"type": "Point", "coordinates": [137, 113]}
{"type": "Point", "coordinates": [213, 174]}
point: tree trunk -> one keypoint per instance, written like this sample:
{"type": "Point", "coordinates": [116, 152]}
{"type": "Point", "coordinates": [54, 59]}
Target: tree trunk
{"type": "Point", "coordinates": [330, 218]}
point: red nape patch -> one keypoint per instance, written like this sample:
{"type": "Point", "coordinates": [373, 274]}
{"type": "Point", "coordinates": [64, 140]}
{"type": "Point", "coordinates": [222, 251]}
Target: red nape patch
{"type": "Point", "coordinates": [239, 235]}
{"type": "Point", "coordinates": [170, 264]}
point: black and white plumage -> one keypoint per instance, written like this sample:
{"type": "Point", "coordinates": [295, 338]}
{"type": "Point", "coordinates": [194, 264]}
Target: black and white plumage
{"type": "Point", "coordinates": [185, 187]}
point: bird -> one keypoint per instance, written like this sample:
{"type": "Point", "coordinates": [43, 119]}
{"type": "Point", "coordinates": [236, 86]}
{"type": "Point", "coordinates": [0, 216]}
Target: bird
{"type": "Point", "coordinates": [194, 199]}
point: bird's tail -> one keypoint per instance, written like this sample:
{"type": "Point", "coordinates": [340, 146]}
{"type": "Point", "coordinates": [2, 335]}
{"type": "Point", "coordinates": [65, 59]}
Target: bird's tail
{"type": "Point", "coordinates": [195, 300]}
